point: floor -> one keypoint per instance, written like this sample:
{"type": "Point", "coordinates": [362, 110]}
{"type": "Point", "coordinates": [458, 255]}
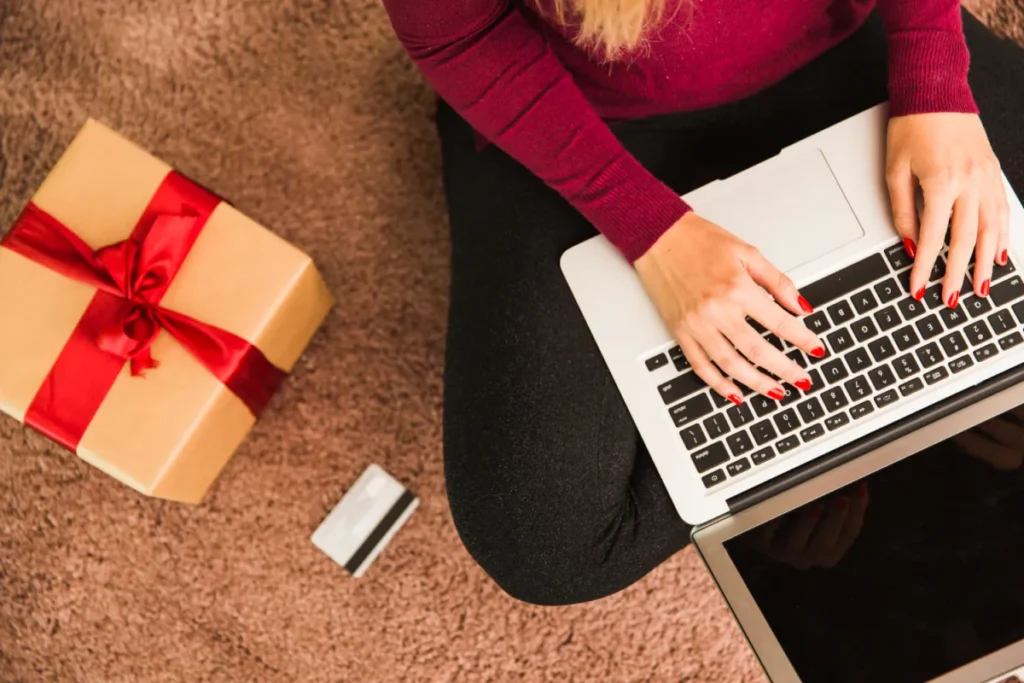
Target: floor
{"type": "Point", "coordinates": [307, 116]}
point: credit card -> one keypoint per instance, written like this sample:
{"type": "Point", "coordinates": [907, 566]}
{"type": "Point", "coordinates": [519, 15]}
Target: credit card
{"type": "Point", "coordinates": [365, 520]}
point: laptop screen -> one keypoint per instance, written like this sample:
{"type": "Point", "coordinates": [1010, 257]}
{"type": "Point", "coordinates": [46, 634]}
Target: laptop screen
{"type": "Point", "coordinates": [905, 575]}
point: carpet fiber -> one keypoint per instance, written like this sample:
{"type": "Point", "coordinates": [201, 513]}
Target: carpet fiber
{"type": "Point", "coordinates": [306, 115]}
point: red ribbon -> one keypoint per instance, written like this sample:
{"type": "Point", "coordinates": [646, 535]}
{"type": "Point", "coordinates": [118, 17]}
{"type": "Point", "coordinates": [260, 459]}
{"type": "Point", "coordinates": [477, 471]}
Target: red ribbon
{"type": "Point", "coordinates": [125, 317]}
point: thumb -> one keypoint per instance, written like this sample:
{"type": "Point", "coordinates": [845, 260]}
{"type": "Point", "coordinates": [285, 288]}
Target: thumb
{"type": "Point", "coordinates": [900, 180]}
{"type": "Point", "coordinates": [775, 282]}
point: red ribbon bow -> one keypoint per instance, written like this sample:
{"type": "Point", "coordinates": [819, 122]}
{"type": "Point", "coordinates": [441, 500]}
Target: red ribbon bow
{"type": "Point", "coordinates": [125, 317]}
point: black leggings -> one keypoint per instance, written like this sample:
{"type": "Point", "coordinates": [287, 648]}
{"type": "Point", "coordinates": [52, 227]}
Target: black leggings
{"type": "Point", "coordinates": [551, 488]}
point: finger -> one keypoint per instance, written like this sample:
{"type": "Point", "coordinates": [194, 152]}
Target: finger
{"type": "Point", "coordinates": [938, 205]}
{"type": "Point", "coordinates": [985, 249]}
{"type": "Point", "coordinates": [1003, 432]}
{"type": "Point", "coordinates": [759, 352]}
{"type": "Point", "coordinates": [853, 523]}
{"type": "Point", "coordinates": [725, 356]}
{"type": "Point", "coordinates": [961, 246]}
{"type": "Point", "coordinates": [826, 536]}
{"type": "Point", "coordinates": [776, 283]}
{"type": "Point", "coordinates": [785, 326]}
{"type": "Point", "coordinates": [706, 370]}
{"type": "Point", "coordinates": [904, 206]}
{"type": "Point", "coordinates": [1002, 218]}
{"type": "Point", "coordinates": [979, 446]}
{"type": "Point", "coordinates": [800, 534]}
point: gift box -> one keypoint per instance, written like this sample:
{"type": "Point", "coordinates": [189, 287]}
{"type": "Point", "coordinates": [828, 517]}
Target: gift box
{"type": "Point", "coordinates": [145, 322]}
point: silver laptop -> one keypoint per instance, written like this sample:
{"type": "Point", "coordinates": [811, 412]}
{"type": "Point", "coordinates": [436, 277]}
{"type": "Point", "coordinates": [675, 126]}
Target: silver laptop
{"type": "Point", "coordinates": [901, 380]}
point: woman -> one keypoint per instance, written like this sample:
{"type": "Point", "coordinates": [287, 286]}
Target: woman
{"type": "Point", "coordinates": [565, 116]}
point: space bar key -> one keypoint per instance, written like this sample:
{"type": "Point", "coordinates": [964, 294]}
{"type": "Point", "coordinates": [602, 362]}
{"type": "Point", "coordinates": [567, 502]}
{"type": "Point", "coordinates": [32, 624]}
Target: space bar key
{"type": "Point", "coordinates": [843, 282]}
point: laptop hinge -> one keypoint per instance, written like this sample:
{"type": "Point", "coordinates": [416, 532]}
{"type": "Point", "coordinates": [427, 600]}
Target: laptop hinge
{"type": "Point", "coordinates": [876, 439]}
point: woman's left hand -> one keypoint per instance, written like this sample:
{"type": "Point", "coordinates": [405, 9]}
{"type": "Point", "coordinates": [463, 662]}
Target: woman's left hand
{"type": "Point", "coordinates": [950, 158]}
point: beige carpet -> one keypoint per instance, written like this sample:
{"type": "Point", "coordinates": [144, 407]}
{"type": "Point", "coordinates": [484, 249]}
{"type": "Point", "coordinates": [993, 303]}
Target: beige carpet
{"type": "Point", "coordinates": [307, 115]}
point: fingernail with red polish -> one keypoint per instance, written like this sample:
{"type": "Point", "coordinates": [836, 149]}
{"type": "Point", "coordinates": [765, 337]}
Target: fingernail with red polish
{"type": "Point", "coordinates": [815, 512]}
{"type": "Point", "coordinates": [805, 305]}
{"type": "Point", "coordinates": [818, 352]}
{"type": "Point", "coordinates": [777, 394]}
{"type": "Point", "coordinates": [910, 247]}
{"type": "Point", "coordinates": [735, 399]}
{"type": "Point", "coordinates": [954, 299]}
{"type": "Point", "coordinates": [920, 294]}
{"type": "Point", "coordinates": [842, 502]}
{"type": "Point", "coordinates": [985, 287]}
{"type": "Point", "coordinates": [1002, 258]}
{"type": "Point", "coordinates": [803, 385]}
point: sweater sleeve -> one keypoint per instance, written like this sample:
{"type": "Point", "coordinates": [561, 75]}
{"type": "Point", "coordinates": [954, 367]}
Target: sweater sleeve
{"type": "Point", "coordinates": [495, 68]}
{"type": "Point", "coordinates": [928, 58]}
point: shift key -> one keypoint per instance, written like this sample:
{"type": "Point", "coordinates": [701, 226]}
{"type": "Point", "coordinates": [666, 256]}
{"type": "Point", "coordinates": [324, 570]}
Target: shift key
{"type": "Point", "coordinates": [710, 457]}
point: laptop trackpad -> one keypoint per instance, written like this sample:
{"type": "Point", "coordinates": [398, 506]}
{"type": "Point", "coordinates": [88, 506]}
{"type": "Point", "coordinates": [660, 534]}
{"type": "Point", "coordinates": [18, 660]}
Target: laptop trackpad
{"type": "Point", "coordinates": [790, 208]}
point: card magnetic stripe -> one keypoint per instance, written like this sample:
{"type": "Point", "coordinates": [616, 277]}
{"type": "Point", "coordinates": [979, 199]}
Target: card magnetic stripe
{"type": "Point", "coordinates": [400, 506]}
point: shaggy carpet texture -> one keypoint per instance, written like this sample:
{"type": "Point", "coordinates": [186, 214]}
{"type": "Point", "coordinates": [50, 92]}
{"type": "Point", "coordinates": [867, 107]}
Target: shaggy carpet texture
{"type": "Point", "coordinates": [309, 117]}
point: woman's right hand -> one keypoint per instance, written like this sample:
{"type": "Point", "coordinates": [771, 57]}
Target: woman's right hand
{"type": "Point", "coordinates": [705, 282]}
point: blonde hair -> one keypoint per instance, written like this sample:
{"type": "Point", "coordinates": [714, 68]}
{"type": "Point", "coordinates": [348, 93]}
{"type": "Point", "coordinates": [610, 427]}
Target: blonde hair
{"type": "Point", "coordinates": [609, 28]}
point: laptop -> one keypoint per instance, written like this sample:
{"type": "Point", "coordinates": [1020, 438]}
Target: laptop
{"type": "Point", "coordinates": [903, 386]}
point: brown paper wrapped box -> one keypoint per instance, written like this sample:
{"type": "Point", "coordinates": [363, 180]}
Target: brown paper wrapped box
{"type": "Point", "coordinates": [170, 433]}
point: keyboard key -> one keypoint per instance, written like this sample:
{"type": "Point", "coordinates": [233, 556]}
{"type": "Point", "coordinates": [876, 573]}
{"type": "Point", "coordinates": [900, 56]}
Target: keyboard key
{"type": "Point", "coordinates": [834, 399]}
{"type": "Point", "coordinates": [840, 313]}
{"type": "Point", "coordinates": [675, 352]}
{"type": "Point", "coordinates": [763, 405]}
{"type": "Point", "coordinates": [911, 308]}
{"type": "Point", "coordinates": [953, 343]}
{"type": "Point", "coordinates": [960, 364]}
{"type": "Point", "coordinates": [858, 388]}
{"type": "Point", "coordinates": [845, 281]}
{"type": "Point", "coordinates": [862, 409]}
{"type": "Point", "coordinates": [1010, 340]}
{"type": "Point", "coordinates": [906, 366]}
{"type": "Point", "coordinates": [985, 352]}
{"type": "Point", "coordinates": [763, 432]}
{"type": "Point", "coordinates": [681, 363]}
{"type": "Point", "coordinates": [858, 360]}
{"type": "Point", "coordinates": [762, 456]}
{"type": "Point", "coordinates": [933, 296]}
{"type": "Point", "coordinates": [797, 357]}
{"type": "Point", "coordinates": [905, 337]}
{"type": "Point", "coordinates": [864, 329]}
{"type": "Point", "coordinates": [914, 385]}
{"type": "Point", "coordinates": [834, 371]}
{"type": "Point", "coordinates": [817, 322]}
{"type": "Point", "coordinates": [738, 467]}
{"type": "Point", "coordinates": [739, 443]}
{"type": "Point", "coordinates": [817, 384]}
{"type": "Point", "coordinates": [936, 375]}
{"type": "Point", "coordinates": [864, 301]}
{"type": "Point", "coordinates": [929, 327]}
{"type": "Point", "coordinates": [886, 398]}
{"type": "Point", "coordinates": [681, 387]}
{"type": "Point", "coordinates": [881, 377]}
{"type": "Point", "coordinates": [904, 279]}
{"type": "Point", "coordinates": [953, 317]}
{"type": "Point", "coordinates": [710, 457]}
{"type": "Point", "coordinates": [713, 479]}
{"type": "Point", "coordinates": [740, 415]}
{"type": "Point", "coordinates": [929, 355]}
{"type": "Point", "coordinates": [999, 272]}
{"type": "Point", "coordinates": [693, 409]}
{"type": "Point", "coordinates": [717, 426]}
{"type": "Point", "coordinates": [812, 432]}
{"type": "Point", "coordinates": [693, 437]}
{"type": "Point", "coordinates": [836, 421]}
{"type": "Point", "coordinates": [976, 306]}
{"type": "Point", "coordinates": [787, 444]}
{"type": "Point", "coordinates": [719, 400]}
{"type": "Point", "coordinates": [887, 318]}
{"type": "Point", "coordinates": [1007, 290]}
{"type": "Point", "coordinates": [787, 421]}
{"type": "Point", "coordinates": [887, 291]}
{"type": "Point", "coordinates": [898, 257]}
{"type": "Point", "coordinates": [841, 341]}
{"type": "Point", "coordinates": [938, 270]}
{"type": "Point", "coordinates": [792, 394]}
{"type": "Point", "coordinates": [881, 349]}
{"type": "Point", "coordinates": [1001, 321]}
{"type": "Point", "coordinates": [977, 333]}
{"type": "Point", "coordinates": [775, 341]}
{"type": "Point", "coordinates": [656, 362]}
{"type": "Point", "coordinates": [811, 410]}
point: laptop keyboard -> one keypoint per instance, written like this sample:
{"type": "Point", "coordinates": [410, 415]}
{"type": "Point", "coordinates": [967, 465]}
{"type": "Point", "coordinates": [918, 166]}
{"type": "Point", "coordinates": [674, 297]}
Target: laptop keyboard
{"type": "Point", "coordinates": [881, 345]}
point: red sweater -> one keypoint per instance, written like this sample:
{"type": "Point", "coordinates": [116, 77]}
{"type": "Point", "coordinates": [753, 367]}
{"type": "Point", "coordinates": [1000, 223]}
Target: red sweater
{"type": "Point", "coordinates": [522, 84]}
